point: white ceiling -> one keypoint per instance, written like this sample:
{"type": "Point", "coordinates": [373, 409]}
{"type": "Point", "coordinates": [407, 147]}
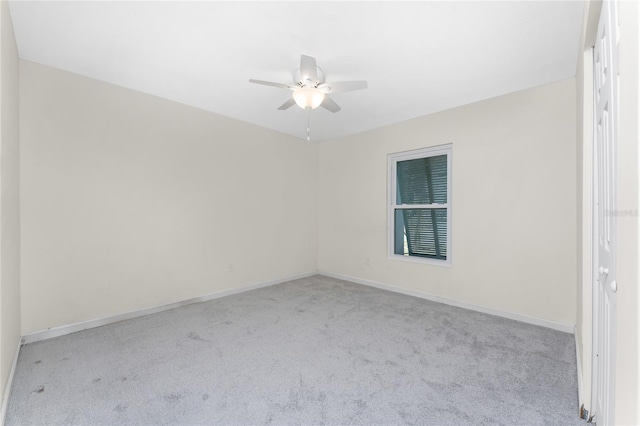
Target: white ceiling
{"type": "Point", "coordinates": [418, 57]}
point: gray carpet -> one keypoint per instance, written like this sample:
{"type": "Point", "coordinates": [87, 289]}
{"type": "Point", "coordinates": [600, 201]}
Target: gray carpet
{"type": "Point", "coordinates": [310, 351]}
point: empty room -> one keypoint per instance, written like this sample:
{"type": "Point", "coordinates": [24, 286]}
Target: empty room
{"type": "Point", "coordinates": [319, 212]}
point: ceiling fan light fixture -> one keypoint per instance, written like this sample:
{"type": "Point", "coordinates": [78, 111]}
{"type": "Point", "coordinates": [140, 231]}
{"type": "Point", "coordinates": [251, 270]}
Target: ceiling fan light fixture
{"type": "Point", "coordinates": [308, 97]}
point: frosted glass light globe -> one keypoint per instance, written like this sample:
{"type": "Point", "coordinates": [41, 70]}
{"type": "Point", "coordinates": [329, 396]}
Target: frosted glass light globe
{"type": "Point", "coordinates": [308, 97]}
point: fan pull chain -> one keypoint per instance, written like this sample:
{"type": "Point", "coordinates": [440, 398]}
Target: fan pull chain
{"type": "Point", "coordinates": [308, 126]}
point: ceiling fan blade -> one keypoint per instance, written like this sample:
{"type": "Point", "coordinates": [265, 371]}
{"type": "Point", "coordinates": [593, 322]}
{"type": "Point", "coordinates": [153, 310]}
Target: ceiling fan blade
{"type": "Point", "coordinates": [330, 104]}
{"type": "Point", "coordinates": [308, 69]}
{"type": "Point", "coordinates": [343, 86]}
{"type": "Point", "coordinates": [288, 104]}
{"type": "Point", "coordinates": [272, 84]}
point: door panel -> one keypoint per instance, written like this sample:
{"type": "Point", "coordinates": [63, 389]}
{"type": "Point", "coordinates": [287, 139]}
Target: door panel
{"type": "Point", "coordinates": [604, 292]}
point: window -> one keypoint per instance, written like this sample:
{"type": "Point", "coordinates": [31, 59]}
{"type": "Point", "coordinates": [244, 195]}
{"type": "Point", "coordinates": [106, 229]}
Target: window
{"type": "Point", "coordinates": [420, 205]}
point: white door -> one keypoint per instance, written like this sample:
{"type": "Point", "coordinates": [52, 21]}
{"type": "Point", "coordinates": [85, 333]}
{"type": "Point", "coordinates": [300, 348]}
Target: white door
{"type": "Point", "coordinates": [606, 133]}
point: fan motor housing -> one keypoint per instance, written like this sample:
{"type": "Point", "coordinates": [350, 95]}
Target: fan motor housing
{"type": "Point", "coordinates": [297, 78]}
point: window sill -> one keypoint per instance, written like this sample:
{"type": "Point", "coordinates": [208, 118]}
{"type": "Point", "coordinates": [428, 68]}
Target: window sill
{"type": "Point", "coordinates": [422, 260]}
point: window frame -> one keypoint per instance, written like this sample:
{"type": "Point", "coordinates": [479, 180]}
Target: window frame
{"type": "Point", "coordinates": [392, 160]}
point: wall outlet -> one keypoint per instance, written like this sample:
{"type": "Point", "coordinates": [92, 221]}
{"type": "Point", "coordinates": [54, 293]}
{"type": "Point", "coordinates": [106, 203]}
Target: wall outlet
{"type": "Point", "coordinates": [367, 261]}
{"type": "Point", "coordinates": [231, 267]}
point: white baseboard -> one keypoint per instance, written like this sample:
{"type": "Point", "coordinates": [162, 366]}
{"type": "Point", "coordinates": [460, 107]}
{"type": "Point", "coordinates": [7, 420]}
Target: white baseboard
{"type": "Point", "coordinates": [567, 328]}
{"type": "Point", "coordinates": [9, 385]}
{"type": "Point", "coordinates": [85, 325]}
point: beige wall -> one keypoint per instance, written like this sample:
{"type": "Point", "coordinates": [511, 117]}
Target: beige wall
{"type": "Point", "coordinates": [514, 204]}
{"type": "Point", "coordinates": [9, 197]}
{"type": "Point", "coordinates": [130, 201]}
{"type": "Point", "coordinates": [627, 392]}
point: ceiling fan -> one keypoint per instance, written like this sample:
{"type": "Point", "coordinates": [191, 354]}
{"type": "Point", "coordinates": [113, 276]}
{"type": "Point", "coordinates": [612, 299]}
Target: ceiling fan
{"type": "Point", "coordinates": [309, 88]}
